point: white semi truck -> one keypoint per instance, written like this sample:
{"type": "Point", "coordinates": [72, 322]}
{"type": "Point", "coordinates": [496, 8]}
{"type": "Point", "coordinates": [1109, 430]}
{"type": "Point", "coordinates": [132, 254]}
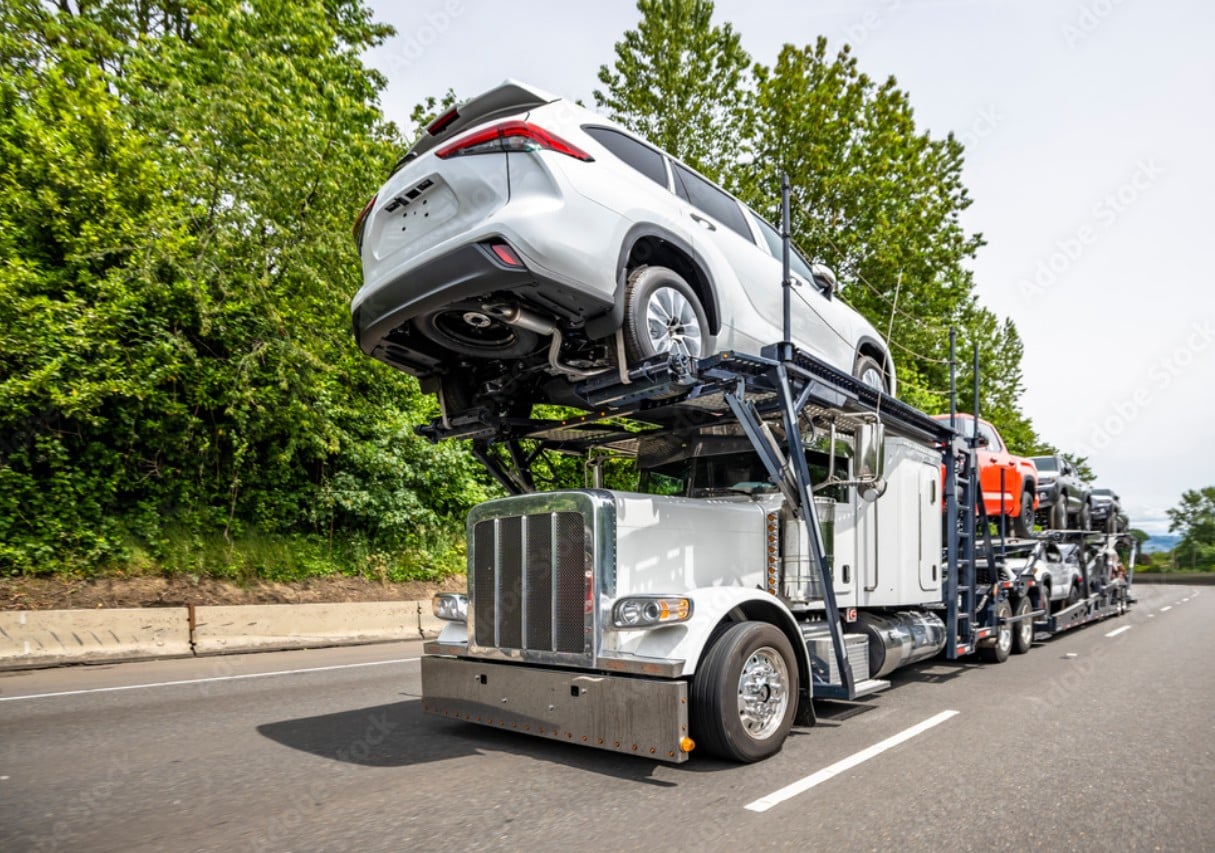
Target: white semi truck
{"type": "Point", "coordinates": [797, 535]}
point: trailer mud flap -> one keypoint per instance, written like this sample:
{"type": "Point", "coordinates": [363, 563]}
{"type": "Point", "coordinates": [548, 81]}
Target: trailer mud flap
{"type": "Point", "coordinates": [637, 716]}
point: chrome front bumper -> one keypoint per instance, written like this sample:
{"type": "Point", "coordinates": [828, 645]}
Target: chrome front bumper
{"type": "Point", "coordinates": [637, 716]}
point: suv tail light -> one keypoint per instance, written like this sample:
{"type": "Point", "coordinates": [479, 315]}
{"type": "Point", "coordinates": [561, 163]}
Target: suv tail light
{"type": "Point", "coordinates": [511, 136]}
{"type": "Point", "coordinates": [357, 231]}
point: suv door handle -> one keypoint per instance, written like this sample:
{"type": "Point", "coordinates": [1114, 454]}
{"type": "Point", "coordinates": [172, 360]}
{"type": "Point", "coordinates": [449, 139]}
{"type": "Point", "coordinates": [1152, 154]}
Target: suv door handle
{"type": "Point", "coordinates": [705, 222]}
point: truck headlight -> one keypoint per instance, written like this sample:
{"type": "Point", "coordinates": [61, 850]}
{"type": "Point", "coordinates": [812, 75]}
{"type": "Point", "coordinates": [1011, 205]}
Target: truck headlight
{"type": "Point", "coordinates": [451, 606]}
{"type": "Point", "coordinates": [646, 611]}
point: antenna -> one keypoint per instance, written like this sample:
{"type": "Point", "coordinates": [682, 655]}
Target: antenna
{"type": "Point", "coordinates": [786, 241]}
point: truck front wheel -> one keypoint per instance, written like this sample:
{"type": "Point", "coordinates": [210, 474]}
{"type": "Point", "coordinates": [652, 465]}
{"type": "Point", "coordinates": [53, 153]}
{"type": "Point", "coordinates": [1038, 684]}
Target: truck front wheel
{"type": "Point", "coordinates": [745, 693]}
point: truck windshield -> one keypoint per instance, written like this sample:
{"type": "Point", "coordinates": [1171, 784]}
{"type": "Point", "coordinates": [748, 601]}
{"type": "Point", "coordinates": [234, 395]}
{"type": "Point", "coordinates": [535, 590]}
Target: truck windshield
{"type": "Point", "coordinates": [707, 476]}
{"type": "Point", "coordinates": [1046, 463]}
{"type": "Point", "coordinates": [726, 474]}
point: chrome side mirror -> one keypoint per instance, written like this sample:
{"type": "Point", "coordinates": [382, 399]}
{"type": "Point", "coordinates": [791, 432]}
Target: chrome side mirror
{"type": "Point", "coordinates": [871, 452]}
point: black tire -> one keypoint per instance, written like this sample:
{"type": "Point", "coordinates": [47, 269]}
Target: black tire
{"type": "Point", "coordinates": [663, 314]}
{"type": "Point", "coordinates": [998, 648]}
{"type": "Point", "coordinates": [1023, 524]}
{"type": "Point", "coordinates": [870, 372]}
{"type": "Point", "coordinates": [1073, 592]}
{"type": "Point", "coordinates": [722, 722]}
{"type": "Point", "coordinates": [1111, 524]}
{"type": "Point", "coordinates": [1023, 631]}
{"type": "Point", "coordinates": [1085, 517]}
{"type": "Point", "coordinates": [464, 328]}
{"type": "Point", "coordinates": [1058, 513]}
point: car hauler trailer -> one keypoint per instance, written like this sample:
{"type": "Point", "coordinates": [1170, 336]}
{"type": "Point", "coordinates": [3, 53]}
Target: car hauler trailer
{"type": "Point", "coordinates": [1104, 568]}
{"type": "Point", "coordinates": [637, 622]}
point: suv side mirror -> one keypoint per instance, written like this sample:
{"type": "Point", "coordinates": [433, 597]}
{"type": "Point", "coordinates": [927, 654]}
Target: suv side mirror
{"type": "Point", "coordinates": [981, 441]}
{"type": "Point", "coordinates": [825, 280]}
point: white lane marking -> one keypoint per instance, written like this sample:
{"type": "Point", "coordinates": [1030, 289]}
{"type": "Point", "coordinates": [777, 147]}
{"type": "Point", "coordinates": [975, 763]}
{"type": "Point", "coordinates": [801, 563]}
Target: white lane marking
{"type": "Point", "coordinates": [1121, 630]}
{"type": "Point", "coordinates": [206, 680]}
{"type": "Point", "coordinates": [1184, 600]}
{"type": "Point", "coordinates": [1151, 615]}
{"type": "Point", "coordinates": [803, 785]}
{"type": "Point", "coordinates": [1166, 609]}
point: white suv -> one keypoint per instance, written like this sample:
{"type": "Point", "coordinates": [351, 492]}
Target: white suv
{"type": "Point", "coordinates": [525, 243]}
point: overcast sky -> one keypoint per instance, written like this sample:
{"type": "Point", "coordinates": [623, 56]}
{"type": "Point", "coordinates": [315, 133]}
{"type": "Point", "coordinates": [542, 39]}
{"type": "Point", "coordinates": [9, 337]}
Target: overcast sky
{"type": "Point", "coordinates": [1089, 129]}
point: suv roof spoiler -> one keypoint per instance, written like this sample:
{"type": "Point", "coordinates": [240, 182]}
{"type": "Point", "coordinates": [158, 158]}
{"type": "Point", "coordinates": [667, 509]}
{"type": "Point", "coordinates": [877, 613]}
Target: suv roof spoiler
{"type": "Point", "coordinates": [507, 98]}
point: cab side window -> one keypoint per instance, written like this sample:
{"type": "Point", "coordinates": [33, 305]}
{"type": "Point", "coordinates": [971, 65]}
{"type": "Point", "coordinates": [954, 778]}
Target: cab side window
{"type": "Point", "coordinates": [993, 440]}
{"type": "Point", "coordinates": [641, 157]}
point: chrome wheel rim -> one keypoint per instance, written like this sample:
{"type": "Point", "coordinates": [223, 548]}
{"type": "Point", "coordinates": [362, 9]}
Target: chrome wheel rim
{"type": "Point", "coordinates": [763, 693]}
{"type": "Point", "coordinates": [672, 324]}
{"type": "Point", "coordinates": [873, 377]}
{"type": "Point", "coordinates": [1026, 627]}
{"type": "Point", "coordinates": [1004, 635]}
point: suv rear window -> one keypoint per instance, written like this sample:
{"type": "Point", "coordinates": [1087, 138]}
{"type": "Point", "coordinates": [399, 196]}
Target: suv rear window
{"type": "Point", "coordinates": [641, 157]}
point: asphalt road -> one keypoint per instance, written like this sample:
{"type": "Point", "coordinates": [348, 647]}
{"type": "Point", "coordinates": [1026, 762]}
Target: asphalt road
{"type": "Point", "coordinates": [1090, 741]}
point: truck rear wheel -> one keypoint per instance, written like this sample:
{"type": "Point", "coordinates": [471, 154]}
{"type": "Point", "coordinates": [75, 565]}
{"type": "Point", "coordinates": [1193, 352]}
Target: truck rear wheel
{"type": "Point", "coordinates": [1085, 517]}
{"type": "Point", "coordinates": [998, 648]}
{"type": "Point", "coordinates": [1058, 513]}
{"type": "Point", "coordinates": [1023, 524]}
{"type": "Point", "coordinates": [1023, 631]}
{"type": "Point", "coordinates": [745, 693]}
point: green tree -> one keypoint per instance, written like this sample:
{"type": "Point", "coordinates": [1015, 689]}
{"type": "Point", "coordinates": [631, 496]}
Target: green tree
{"type": "Point", "coordinates": [1194, 519]}
{"type": "Point", "coordinates": [682, 82]}
{"type": "Point", "coordinates": [875, 197]}
{"type": "Point", "coordinates": [178, 184]}
{"type": "Point", "coordinates": [878, 201]}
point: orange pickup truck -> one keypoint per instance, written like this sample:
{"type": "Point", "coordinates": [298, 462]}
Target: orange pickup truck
{"type": "Point", "coordinates": [1018, 499]}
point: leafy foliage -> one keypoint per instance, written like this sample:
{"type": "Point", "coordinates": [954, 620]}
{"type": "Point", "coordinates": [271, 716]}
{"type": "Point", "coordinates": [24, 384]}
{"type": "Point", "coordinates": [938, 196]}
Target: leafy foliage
{"type": "Point", "coordinates": [177, 187]}
{"type": "Point", "coordinates": [874, 198]}
{"type": "Point", "coordinates": [1194, 519]}
{"type": "Point", "coordinates": [680, 82]}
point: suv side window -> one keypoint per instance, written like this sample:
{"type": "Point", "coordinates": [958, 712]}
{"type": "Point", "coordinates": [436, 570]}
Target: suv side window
{"type": "Point", "coordinates": [701, 194]}
{"type": "Point", "coordinates": [641, 157]}
{"type": "Point", "coordinates": [775, 245]}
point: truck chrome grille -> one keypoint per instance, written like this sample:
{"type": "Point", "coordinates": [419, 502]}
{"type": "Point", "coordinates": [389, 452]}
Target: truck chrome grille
{"type": "Point", "coordinates": [530, 577]}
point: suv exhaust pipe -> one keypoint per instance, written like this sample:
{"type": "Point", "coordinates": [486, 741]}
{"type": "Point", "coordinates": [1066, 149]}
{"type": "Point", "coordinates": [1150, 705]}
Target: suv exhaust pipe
{"type": "Point", "coordinates": [514, 314]}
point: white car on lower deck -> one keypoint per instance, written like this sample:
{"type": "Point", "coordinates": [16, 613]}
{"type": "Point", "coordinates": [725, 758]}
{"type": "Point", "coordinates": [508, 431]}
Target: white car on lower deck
{"type": "Point", "coordinates": [525, 243]}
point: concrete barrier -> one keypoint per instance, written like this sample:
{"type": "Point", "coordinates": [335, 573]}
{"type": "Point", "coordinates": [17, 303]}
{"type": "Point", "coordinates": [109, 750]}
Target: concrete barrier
{"type": "Point", "coordinates": [47, 637]}
{"type": "Point", "coordinates": [293, 626]}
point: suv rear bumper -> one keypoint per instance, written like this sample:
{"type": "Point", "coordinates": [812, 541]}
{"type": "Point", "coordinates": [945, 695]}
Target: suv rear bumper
{"type": "Point", "coordinates": [470, 271]}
